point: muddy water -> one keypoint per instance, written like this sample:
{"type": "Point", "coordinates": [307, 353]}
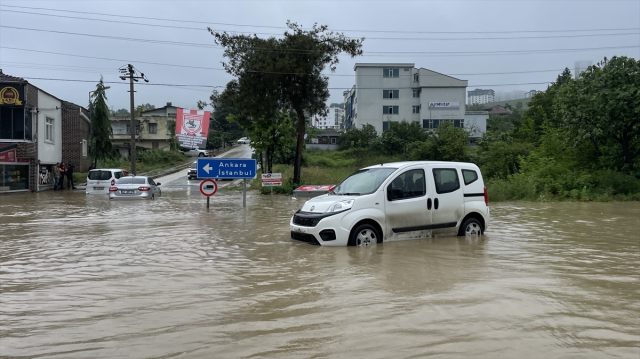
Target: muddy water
{"type": "Point", "coordinates": [85, 278]}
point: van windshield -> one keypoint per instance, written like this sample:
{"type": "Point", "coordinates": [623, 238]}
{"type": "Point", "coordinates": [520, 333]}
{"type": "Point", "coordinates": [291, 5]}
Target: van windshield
{"type": "Point", "coordinates": [194, 165]}
{"type": "Point", "coordinates": [363, 182]}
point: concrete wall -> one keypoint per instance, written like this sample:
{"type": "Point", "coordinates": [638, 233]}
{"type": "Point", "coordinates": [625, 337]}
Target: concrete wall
{"type": "Point", "coordinates": [49, 152]}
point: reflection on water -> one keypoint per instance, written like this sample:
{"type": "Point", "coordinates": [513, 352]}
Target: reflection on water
{"type": "Point", "coordinates": [84, 277]}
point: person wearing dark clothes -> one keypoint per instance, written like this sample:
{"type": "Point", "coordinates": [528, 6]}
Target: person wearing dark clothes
{"type": "Point", "coordinates": [70, 178]}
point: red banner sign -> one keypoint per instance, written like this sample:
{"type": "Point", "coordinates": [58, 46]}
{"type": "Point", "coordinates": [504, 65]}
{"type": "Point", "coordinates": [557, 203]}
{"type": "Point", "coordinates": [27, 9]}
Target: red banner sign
{"type": "Point", "coordinates": [8, 156]}
{"type": "Point", "coordinates": [192, 128]}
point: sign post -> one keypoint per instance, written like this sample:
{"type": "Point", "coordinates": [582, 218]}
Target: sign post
{"type": "Point", "coordinates": [270, 180]}
{"type": "Point", "coordinates": [208, 188]}
{"type": "Point", "coordinates": [228, 168]}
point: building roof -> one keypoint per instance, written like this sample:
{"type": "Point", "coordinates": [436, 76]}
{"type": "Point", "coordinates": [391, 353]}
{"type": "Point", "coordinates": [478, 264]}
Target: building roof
{"type": "Point", "coordinates": [11, 79]}
{"type": "Point", "coordinates": [384, 64]}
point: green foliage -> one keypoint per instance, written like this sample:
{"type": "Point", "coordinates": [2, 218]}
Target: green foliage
{"type": "Point", "coordinates": [394, 140]}
{"type": "Point", "coordinates": [223, 127]}
{"type": "Point", "coordinates": [146, 160]}
{"type": "Point", "coordinates": [120, 113]}
{"type": "Point", "coordinates": [143, 107]}
{"type": "Point", "coordinates": [273, 135]}
{"type": "Point", "coordinates": [448, 143]}
{"type": "Point", "coordinates": [171, 126]}
{"type": "Point", "coordinates": [100, 147]}
{"type": "Point", "coordinates": [283, 73]}
{"type": "Point", "coordinates": [476, 107]}
{"type": "Point", "coordinates": [357, 138]}
{"type": "Point", "coordinates": [602, 106]}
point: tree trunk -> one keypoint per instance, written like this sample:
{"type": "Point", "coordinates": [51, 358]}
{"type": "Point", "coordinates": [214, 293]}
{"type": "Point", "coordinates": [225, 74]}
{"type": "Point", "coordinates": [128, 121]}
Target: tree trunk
{"type": "Point", "coordinates": [297, 165]}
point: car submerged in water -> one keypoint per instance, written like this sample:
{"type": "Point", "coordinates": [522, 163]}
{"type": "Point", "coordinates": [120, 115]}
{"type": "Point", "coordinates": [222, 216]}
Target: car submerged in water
{"type": "Point", "coordinates": [135, 187]}
{"type": "Point", "coordinates": [396, 201]}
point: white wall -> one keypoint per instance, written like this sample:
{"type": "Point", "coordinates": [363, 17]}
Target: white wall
{"type": "Point", "coordinates": [476, 124]}
{"type": "Point", "coordinates": [49, 152]}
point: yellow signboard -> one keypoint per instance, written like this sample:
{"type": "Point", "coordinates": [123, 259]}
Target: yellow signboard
{"type": "Point", "coordinates": [10, 96]}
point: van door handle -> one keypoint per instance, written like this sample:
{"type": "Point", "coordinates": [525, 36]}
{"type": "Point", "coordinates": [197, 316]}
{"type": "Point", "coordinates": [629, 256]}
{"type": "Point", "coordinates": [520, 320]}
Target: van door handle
{"type": "Point", "coordinates": [436, 203]}
{"type": "Point", "coordinates": [429, 204]}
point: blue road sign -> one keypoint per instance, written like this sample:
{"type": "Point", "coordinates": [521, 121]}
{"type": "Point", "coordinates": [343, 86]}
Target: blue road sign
{"type": "Point", "coordinates": [231, 168]}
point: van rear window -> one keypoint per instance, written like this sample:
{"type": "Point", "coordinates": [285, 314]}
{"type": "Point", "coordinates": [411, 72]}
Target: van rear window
{"type": "Point", "coordinates": [130, 180]}
{"type": "Point", "coordinates": [99, 175]}
{"type": "Point", "coordinates": [469, 176]}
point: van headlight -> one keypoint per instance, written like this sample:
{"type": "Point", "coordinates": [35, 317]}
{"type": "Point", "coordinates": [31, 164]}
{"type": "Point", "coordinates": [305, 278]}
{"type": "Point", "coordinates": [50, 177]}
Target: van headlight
{"type": "Point", "coordinates": [341, 206]}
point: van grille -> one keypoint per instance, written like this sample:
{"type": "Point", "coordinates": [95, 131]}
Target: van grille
{"type": "Point", "coordinates": [305, 237]}
{"type": "Point", "coordinates": [305, 222]}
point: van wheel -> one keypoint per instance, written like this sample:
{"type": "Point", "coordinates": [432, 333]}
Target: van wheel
{"type": "Point", "coordinates": [201, 155]}
{"type": "Point", "coordinates": [470, 227]}
{"type": "Point", "coordinates": [364, 235]}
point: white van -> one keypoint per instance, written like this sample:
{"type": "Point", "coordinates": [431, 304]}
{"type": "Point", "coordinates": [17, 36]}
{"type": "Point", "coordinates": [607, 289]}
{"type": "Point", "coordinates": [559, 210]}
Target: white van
{"type": "Point", "coordinates": [99, 180]}
{"type": "Point", "coordinates": [396, 201]}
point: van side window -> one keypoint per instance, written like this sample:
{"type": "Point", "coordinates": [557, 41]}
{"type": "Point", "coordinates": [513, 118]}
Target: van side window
{"type": "Point", "coordinates": [470, 176]}
{"type": "Point", "coordinates": [410, 184]}
{"type": "Point", "coordinates": [446, 180]}
{"type": "Point", "coordinates": [119, 174]}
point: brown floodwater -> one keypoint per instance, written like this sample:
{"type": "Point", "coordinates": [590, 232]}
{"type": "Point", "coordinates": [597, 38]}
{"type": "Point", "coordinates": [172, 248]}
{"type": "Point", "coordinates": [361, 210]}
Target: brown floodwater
{"type": "Point", "coordinates": [83, 277]}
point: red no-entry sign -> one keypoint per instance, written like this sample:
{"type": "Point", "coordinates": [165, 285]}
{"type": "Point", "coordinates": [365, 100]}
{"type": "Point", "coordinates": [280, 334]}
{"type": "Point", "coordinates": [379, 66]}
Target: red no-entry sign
{"type": "Point", "coordinates": [208, 187]}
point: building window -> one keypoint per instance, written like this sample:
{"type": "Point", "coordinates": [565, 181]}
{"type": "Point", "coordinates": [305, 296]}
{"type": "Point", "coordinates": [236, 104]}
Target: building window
{"type": "Point", "coordinates": [84, 148]}
{"type": "Point", "coordinates": [390, 93]}
{"type": "Point", "coordinates": [416, 92]}
{"type": "Point", "coordinates": [390, 72]}
{"type": "Point", "coordinates": [390, 110]}
{"type": "Point", "coordinates": [416, 77]}
{"type": "Point", "coordinates": [15, 123]}
{"type": "Point", "coordinates": [129, 129]}
{"type": "Point", "coordinates": [385, 125]}
{"type": "Point", "coordinates": [153, 128]}
{"type": "Point", "coordinates": [48, 129]}
{"type": "Point", "coordinates": [416, 109]}
{"type": "Point", "coordinates": [333, 140]}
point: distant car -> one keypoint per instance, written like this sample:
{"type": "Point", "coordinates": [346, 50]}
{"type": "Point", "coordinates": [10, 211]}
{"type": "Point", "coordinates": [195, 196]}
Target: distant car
{"type": "Point", "coordinates": [244, 140]}
{"type": "Point", "coordinates": [196, 153]}
{"type": "Point", "coordinates": [135, 187]}
{"type": "Point", "coordinates": [192, 173]}
{"type": "Point", "coordinates": [99, 180]}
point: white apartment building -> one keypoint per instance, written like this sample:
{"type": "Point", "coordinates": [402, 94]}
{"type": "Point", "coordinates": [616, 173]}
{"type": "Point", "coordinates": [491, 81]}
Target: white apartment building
{"type": "Point", "coordinates": [333, 119]}
{"type": "Point", "coordinates": [395, 92]}
{"type": "Point", "coordinates": [480, 96]}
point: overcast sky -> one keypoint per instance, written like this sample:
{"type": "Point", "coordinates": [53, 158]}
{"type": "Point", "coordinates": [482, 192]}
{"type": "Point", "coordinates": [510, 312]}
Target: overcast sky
{"type": "Point", "coordinates": [395, 31]}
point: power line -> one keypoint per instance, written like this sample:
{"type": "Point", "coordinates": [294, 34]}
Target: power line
{"type": "Point", "coordinates": [218, 86]}
{"type": "Point", "coordinates": [369, 53]}
{"type": "Point", "coordinates": [284, 73]}
{"type": "Point", "coordinates": [284, 27]}
{"type": "Point", "coordinates": [368, 38]}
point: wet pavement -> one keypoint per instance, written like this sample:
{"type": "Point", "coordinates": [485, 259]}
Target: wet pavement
{"type": "Point", "coordinates": [85, 277]}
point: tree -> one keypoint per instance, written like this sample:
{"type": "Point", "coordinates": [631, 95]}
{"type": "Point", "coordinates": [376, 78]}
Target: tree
{"type": "Point", "coordinates": [358, 138]}
{"type": "Point", "coordinates": [285, 73]}
{"type": "Point", "coordinates": [143, 107]}
{"type": "Point", "coordinates": [449, 143]}
{"type": "Point", "coordinates": [273, 136]}
{"type": "Point", "coordinates": [221, 129]}
{"type": "Point", "coordinates": [101, 131]}
{"type": "Point", "coordinates": [120, 113]}
{"type": "Point", "coordinates": [603, 107]}
{"type": "Point", "coordinates": [476, 107]}
{"type": "Point", "coordinates": [338, 105]}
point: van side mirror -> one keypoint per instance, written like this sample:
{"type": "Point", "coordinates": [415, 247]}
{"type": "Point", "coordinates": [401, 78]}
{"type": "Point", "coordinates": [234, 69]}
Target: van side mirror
{"type": "Point", "coordinates": [157, 184]}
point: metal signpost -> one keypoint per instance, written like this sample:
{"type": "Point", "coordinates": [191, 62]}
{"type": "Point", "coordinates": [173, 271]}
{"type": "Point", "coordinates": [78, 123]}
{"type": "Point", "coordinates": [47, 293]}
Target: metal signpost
{"type": "Point", "coordinates": [228, 168]}
{"type": "Point", "coordinates": [208, 188]}
{"type": "Point", "coordinates": [270, 180]}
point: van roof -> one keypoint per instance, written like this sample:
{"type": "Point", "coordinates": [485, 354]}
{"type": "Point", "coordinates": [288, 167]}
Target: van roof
{"type": "Point", "coordinates": [413, 163]}
{"type": "Point", "coordinates": [107, 169]}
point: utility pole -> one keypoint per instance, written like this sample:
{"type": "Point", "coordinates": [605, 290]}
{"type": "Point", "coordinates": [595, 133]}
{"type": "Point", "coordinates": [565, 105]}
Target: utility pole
{"type": "Point", "coordinates": [134, 75]}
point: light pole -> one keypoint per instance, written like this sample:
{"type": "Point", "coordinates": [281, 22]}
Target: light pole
{"type": "Point", "coordinates": [90, 128]}
{"type": "Point", "coordinates": [134, 75]}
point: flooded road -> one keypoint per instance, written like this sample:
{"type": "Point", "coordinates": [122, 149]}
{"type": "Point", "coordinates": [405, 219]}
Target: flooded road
{"type": "Point", "coordinates": [83, 277]}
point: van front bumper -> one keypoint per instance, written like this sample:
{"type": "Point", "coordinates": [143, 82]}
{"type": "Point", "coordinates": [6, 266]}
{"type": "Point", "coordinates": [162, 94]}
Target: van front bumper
{"type": "Point", "coordinates": [319, 228]}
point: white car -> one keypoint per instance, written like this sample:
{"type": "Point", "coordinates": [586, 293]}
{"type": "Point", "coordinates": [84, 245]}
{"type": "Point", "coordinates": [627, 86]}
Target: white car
{"type": "Point", "coordinates": [99, 180]}
{"type": "Point", "coordinates": [396, 201]}
{"type": "Point", "coordinates": [135, 187]}
{"type": "Point", "coordinates": [244, 140]}
{"type": "Point", "coordinates": [196, 153]}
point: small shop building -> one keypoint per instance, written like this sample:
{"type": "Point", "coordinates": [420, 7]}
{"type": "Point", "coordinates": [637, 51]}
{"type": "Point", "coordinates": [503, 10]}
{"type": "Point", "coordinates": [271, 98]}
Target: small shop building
{"type": "Point", "coordinates": [31, 136]}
